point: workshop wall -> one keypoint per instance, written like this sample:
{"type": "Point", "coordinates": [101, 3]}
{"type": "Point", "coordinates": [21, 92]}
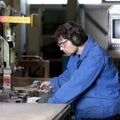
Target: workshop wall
{"type": "Point", "coordinates": [96, 23]}
{"type": "Point", "coordinates": [95, 17]}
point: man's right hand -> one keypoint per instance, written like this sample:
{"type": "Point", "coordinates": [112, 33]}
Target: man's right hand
{"type": "Point", "coordinates": [45, 86]}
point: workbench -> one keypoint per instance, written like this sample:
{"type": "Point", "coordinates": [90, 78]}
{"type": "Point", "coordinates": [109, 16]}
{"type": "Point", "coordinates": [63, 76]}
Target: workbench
{"type": "Point", "coordinates": [34, 111]}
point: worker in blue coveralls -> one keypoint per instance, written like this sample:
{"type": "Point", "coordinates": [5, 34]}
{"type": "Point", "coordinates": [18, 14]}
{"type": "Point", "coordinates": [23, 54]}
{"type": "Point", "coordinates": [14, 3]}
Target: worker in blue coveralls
{"type": "Point", "coordinates": [90, 81]}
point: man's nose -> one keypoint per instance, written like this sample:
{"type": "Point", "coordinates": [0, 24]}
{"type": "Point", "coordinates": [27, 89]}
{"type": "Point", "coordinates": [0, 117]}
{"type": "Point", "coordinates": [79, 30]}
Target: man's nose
{"type": "Point", "coordinates": [61, 48]}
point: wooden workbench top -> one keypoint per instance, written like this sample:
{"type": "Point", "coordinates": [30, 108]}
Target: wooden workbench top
{"type": "Point", "coordinates": [34, 111]}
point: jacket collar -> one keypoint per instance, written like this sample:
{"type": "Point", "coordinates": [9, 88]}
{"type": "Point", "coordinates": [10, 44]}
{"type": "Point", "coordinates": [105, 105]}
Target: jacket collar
{"type": "Point", "coordinates": [86, 48]}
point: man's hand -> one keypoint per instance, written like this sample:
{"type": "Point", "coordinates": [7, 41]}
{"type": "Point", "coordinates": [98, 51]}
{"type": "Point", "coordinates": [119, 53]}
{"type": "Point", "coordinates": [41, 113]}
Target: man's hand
{"type": "Point", "coordinates": [45, 86]}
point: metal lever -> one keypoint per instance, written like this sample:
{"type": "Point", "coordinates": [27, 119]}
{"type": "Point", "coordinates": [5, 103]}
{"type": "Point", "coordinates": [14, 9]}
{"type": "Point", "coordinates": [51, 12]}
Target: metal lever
{"type": "Point", "coordinates": [35, 84]}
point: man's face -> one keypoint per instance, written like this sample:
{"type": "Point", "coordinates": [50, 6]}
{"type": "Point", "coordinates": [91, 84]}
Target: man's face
{"type": "Point", "coordinates": [66, 46]}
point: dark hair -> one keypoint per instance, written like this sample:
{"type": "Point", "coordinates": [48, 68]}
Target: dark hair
{"type": "Point", "coordinates": [65, 33]}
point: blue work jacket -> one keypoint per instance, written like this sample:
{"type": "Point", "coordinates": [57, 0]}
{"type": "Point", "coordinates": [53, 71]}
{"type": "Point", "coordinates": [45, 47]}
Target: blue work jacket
{"type": "Point", "coordinates": [90, 82]}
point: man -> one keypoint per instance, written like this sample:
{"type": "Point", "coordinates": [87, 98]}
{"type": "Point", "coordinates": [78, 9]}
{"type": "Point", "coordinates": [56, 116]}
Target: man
{"type": "Point", "coordinates": [90, 82]}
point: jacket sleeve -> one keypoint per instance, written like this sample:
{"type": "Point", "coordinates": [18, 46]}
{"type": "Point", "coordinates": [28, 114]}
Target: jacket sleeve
{"type": "Point", "coordinates": [57, 82]}
{"type": "Point", "coordinates": [80, 81]}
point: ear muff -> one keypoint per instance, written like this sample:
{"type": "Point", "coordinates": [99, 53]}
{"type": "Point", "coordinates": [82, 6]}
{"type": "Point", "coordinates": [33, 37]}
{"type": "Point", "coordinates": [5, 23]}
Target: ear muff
{"type": "Point", "coordinates": [76, 39]}
{"type": "Point", "coordinates": [73, 35]}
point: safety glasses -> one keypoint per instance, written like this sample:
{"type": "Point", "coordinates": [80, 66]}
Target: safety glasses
{"type": "Point", "coordinates": [62, 44]}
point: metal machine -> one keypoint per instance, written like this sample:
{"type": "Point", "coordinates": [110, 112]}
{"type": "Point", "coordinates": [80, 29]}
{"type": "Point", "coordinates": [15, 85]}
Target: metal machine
{"type": "Point", "coordinates": [9, 18]}
{"type": "Point", "coordinates": [114, 34]}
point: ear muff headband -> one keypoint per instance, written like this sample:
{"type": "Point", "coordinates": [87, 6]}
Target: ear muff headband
{"type": "Point", "coordinates": [73, 35]}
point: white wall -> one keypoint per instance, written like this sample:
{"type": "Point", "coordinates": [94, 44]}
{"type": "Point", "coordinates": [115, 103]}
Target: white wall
{"type": "Point", "coordinates": [96, 23]}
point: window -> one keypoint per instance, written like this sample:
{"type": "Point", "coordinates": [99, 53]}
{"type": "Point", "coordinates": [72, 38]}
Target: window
{"type": "Point", "coordinates": [63, 1]}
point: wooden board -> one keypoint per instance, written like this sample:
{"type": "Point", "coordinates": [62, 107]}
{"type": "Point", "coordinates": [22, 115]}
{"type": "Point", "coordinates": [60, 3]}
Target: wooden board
{"type": "Point", "coordinates": [35, 111]}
